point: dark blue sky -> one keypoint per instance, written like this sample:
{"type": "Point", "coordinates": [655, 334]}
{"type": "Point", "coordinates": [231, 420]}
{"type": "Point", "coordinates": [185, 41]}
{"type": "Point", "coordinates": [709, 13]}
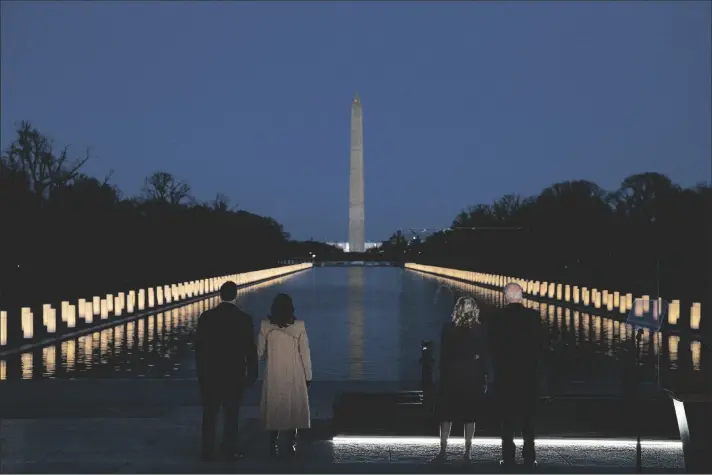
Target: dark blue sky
{"type": "Point", "coordinates": [463, 102]}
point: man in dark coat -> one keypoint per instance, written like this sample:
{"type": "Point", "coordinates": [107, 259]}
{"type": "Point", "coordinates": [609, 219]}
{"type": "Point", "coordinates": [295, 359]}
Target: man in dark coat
{"type": "Point", "coordinates": [515, 341]}
{"type": "Point", "coordinates": [226, 363]}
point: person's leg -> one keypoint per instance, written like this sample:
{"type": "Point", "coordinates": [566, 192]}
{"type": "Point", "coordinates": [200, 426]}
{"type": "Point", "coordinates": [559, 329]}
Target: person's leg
{"type": "Point", "coordinates": [292, 442]}
{"type": "Point", "coordinates": [211, 407]}
{"type": "Point", "coordinates": [506, 417]}
{"type": "Point", "coordinates": [445, 428]}
{"type": "Point", "coordinates": [469, 432]}
{"type": "Point", "coordinates": [273, 442]}
{"type": "Point", "coordinates": [231, 403]}
{"type": "Point", "coordinates": [529, 450]}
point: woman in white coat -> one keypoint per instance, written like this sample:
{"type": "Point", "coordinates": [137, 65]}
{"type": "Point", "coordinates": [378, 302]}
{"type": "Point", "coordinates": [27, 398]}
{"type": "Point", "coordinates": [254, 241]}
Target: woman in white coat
{"type": "Point", "coordinates": [288, 373]}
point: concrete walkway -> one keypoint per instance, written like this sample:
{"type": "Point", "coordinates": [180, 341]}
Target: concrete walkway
{"type": "Point", "coordinates": [137, 434]}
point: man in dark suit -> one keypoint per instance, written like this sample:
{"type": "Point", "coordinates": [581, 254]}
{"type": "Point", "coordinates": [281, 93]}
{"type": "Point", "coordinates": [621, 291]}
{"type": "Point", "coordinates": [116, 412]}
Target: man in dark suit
{"type": "Point", "coordinates": [226, 363]}
{"type": "Point", "coordinates": [515, 341]}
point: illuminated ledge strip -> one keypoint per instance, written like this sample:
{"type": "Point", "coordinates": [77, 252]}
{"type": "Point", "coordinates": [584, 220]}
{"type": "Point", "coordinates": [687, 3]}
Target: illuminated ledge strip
{"type": "Point", "coordinates": [493, 441]}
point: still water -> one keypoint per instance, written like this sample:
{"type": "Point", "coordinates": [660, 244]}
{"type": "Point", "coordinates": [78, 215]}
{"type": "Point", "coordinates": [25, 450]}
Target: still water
{"type": "Point", "coordinates": [367, 324]}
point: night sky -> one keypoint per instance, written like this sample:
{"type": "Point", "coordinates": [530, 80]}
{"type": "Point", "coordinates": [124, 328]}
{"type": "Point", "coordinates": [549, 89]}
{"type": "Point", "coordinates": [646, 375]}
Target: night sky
{"type": "Point", "coordinates": [463, 102]}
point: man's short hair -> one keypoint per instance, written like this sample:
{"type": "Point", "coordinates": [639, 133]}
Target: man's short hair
{"type": "Point", "coordinates": [513, 292]}
{"type": "Point", "coordinates": [228, 291]}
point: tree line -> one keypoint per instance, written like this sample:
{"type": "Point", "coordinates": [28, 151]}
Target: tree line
{"type": "Point", "coordinates": [648, 236]}
{"type": "Point", "coordinates": [66, 234]}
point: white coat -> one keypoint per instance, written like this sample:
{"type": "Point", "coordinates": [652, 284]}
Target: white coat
{"type": "Point", "coordinates": [285, 400]}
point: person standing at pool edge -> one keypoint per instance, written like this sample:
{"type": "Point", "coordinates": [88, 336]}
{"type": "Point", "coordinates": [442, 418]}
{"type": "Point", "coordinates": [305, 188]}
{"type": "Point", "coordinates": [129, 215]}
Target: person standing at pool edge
{"type": "Point", "coordinates": [226, 363]}
{"type": "Point", "coordinates": [288, 373]}
{"type": "Point", "coordinates": [515, 340]}
{"type": "Point", "coordinates": [463, 373]}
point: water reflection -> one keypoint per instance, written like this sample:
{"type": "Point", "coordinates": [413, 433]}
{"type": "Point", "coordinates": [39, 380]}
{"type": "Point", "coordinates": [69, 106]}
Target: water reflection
{"type": "Point", "coordinates": [661, 353]}
{"type": "Point", "coordinates": [49, 363]}
{"type": "Point", "coordinates": [356, 322]}
{"type": "Point", "coordinates": [143, 347]}
{"type": "Point", "coordinates": [365, 324]}
{"type": "Point", "coordinates": [27, 366]}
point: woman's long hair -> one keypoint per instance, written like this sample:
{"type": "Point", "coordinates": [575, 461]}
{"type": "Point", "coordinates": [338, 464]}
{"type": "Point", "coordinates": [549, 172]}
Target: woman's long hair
{"type": "Point", "coordinates": [282, 313]}
{"type": "Point", "coordinates": [466, 313]}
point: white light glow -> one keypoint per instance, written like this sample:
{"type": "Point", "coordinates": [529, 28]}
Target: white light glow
{"type": "Point", "coordinates": [495, 441]}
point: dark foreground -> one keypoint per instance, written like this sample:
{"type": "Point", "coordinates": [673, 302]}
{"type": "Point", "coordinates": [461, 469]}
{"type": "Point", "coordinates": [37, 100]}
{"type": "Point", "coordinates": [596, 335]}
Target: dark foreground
{"type": "Point", "coordinates": [152, 426]}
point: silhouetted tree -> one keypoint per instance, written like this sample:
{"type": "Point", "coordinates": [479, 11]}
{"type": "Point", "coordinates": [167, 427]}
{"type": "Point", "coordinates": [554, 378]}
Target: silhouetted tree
{"type": "Point", "coordinates": [67, 235]}
{"type": "Point", "coordinates": [163, 187]}
{"type": "Point", "coordinates": [33, 157]}
{"type": "Point", "coordinates": [649, 233]}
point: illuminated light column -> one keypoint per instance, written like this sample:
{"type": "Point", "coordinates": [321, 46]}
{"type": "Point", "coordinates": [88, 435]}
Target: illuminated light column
{"type": "Point", "coordinates": [646, 303]}
{"type": "Point", "coordinates": [356, 193]}
{"type": "Point", "coordinates": [151, 298]}
{"type": "Point", "coordinates": [131, 301]}
{"type": "Point", "coordinates": [616, 299]}
{"type": "Point", "coordinates": [46, 310]}
{"type": "Point", "coordinates": [567, 293]}
{"type": "Point", "coordinates": [695, 316]}
{"type": "Point", "coordinates": [64, 311]}
{"type": "Point", "coordinates": [674, 312]}
{"type": "Point", "coordinates": [88, 312]}
{"type": "Point", "coordinates": [551, 290]}
{"type": "Point", "coordinates": [71, 316]}
{"type": "Point", "coordinates": [28, 324]}
{"type": "Point", "coordinates": [558, 291]}
{"type": "Point", "coordinates": [141, 299]}
{"type": "Point", "coordinates": [81, 305]}
{"type": "Point", "coordinates": [104, 309]}
{"type": "Point", "coordinates": [51, 323]}
{"type": "Point", "coordinates": [109, 303]}
{"type": "Point", "coordinates": [96, 305]}
{"type": "Point", "coordinates": [167, 294]}
{"type": "Point", "coordinates": [638, 311]}
{"type": "Point", "coordinates": [657, 308]}
{"type": "Point", "coordinates": [584, 296]}
{"type": "Point", "coordinates": [3, 328]}
{"type": "Point", "coordinates": [117, 306]}
{"type": "Point", "coordinates": [609, 303]}
{"type": "Point", "coordinates": [159, 295]}
{"type": "Point", "coordinates": [576, 294]}
{"type": "Point", "coordinates": [122, 303]}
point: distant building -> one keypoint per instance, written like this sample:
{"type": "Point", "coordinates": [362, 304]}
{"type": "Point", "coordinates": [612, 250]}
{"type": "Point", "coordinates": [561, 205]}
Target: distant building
{"type": "Point", "coordinates": [345, 245]}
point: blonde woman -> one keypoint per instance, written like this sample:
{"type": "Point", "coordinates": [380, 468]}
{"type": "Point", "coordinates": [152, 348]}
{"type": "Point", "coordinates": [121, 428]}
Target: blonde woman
{"type": "Point", "coordinates": [288, 373]}
{"type": "Point", "coordinates": [463, 369]}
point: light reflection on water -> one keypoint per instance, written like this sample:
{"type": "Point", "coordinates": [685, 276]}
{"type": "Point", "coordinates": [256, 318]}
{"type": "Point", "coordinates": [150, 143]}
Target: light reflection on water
{"type": "Point", "coordinates": [364, 324]}
{"type": "Point", "coordinates": [663, 351]}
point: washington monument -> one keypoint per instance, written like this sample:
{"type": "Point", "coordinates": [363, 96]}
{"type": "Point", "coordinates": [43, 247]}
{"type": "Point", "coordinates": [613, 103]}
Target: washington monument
{"type": "Point", "coordinates": [356, 211]}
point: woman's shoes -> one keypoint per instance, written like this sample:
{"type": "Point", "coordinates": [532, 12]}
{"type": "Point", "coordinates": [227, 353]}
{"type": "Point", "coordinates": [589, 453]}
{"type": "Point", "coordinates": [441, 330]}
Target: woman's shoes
{"type": "Point", "coordinates": [440, 457]}
{"type": "Point", "coordinates": [273, 443]}
{"type": "Point", "coordinates": [293, 443]}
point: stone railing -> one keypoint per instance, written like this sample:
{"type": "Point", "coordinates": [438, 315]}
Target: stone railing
{"type": "Point", "coordinates": [607, 300]}
{"type": "Point", "coordinates": [100, 310]}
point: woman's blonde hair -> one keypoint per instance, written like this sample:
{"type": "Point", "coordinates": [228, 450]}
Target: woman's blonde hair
{"type": "Point", "coordinates": [466, 312]}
